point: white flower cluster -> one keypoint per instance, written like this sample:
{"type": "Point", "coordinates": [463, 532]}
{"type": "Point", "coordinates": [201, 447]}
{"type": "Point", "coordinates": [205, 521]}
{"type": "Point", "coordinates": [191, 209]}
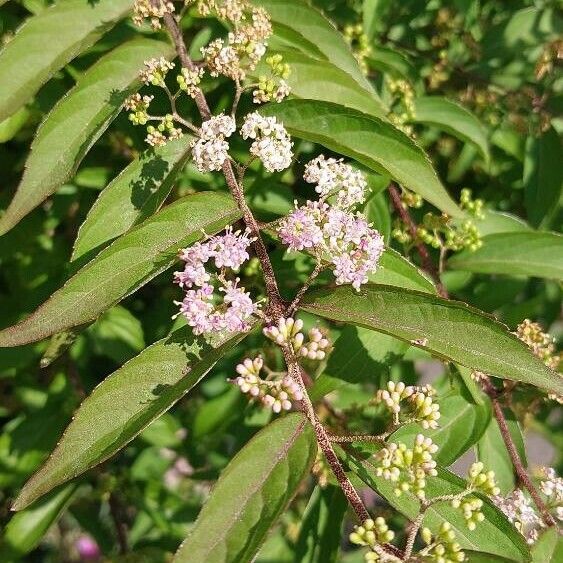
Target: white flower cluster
{"type": "Point", "coordinates": [153, 10]}
{"type": "Point", "coordinates": [333, 177]}
{"type": "Point", "coordinates": [288, 332]}
{"type": "Point", "coordinates": [551, 485]}
{"type": "Point", "coordinates": [188, 80]}
{"type": "Point", "coordinates": [271, 142]}
{"type": "Point", "coordinates": [138, 106]}
{"type": "Point", "coordinates": [275, 394]}
{"type": "Point", "coordinates": [155, 71]}
{"type": "Point", "coordinates": [211, 149]}
{"type": "Point", "coordinates": [520, 512]}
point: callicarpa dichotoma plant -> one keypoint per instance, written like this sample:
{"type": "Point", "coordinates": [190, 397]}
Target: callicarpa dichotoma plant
{"type": "Point", "coordinates": [280, 281]}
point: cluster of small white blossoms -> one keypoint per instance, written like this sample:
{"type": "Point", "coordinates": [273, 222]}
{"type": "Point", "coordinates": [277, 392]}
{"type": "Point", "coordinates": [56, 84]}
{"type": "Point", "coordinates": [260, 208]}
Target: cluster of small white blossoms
{"type": "Point", "coordinates": [210, 150]}
{"type": "Point", "coordinates": [333, 232]}
{"type": "Point", "coordinates": [153, 10]}
{"type": "Point", "coordinates": [288, 332]}
{"type": "Point", "coordinates": [415, 403]}
{"type": "Point", "coordinates": [520, 511]}
{"type": "Point", "coordinates": [407, 468]}
{"type": "Point", "coordinates": [276, 394]}
{"type": "Point", "coordinates": [155, 71]}
{"type": "Point", "coordinates": [202, 306]}
{"type": "Point", "coordinates": [442, 547]}
{"type": "Point", "coordinates": [270, 141]}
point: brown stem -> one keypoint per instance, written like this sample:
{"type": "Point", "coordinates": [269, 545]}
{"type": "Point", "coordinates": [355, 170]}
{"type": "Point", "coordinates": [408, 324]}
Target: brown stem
{"type": "Point", "coordinates": [521, 473]}
{"type": "Point", "coordinates": [411, 536]}
{"type": "Point", "coordinates": [358, 438]}
{"type": "Point", "coordinates": [116, 512]}
{"type": "Point", "coordinates": [297, 299]}
{"type": "Point", "coordinates": [427, 264]}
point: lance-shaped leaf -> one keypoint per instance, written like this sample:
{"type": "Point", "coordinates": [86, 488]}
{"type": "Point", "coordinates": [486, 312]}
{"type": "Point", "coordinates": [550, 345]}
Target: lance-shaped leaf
{"type": "Point", "coordinates": [447, 329]}
{"type": "Point", "coordinates": [515, 254]}
{"type": "Point", "coordinates": [131, 197]}
{"type": "Point", "coordinates": [251, 493]}
{"type": "Point", "coordinates": [143, 389]}
{"type": "Point", "coordinates": [495, 535]}
{"type": "Point", "coordinates": [25, 530]}
{"type": "Point", "coordinates": [129, 263]}
{"type": "Point", "coordinates": [46, 42]}
{"type": "Point", "coordinates": [320, 534]}
{"type": "Point", "coordinates": [371, 141]}
{"type": "Point", "coordinates": [548, 548]}
{"type": "Point", "coordinates": [312, 79]}
{"type": "Point", "coordinates": [451, 118]}
{"type": "Point", "coordinates": [301, 26]}
{"type": "Point", "coordinates": [77, 121]}
{"type": "Point", "coordinates": [395, 269]}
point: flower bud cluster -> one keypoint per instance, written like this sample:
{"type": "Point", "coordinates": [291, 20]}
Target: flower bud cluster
{"type": "Point", "coordinates": [403, 112]}
{"type": "Point", "coordinates": [271, 142]}
{"type": "Point", "coordinates": [153, 10]}
{"type": "Point", "coordinates": [288, 332]}
{"type": "Point", "coordinates": [541, 343]}
{"type": "Point", "coordinates": [202, 306]}
{"type": "Point", "coordinates": [408, 468]}
{"type": "Point", "coordinates": [442, 547]}
{"type": "Point", "coordinates": [411, 199]}
{"type": "Point", "coordinates": [371, 533]}
{"type": "Point", "coordinates": [416, 403]}
{"type": "Point", "coordinates": [211, 149]}
{"type": "Point", "coordinates": [483, 481]}
{"type": "Point", "coordinates": [473, 206]}
{"type": "Point", "coordinates": [471, 508]}
{"type": "Point", "coordinates": [360, 44]}
{"type": "Point", "coordinates": [273, 87]}
{"type": "Point", "coordinates": [277, 394]}
{"type": "Point", "coordinates": [188, 80]}
{"type": "Point", "coordinates": [163, 132]}
{"type": "Point", "coordinates": [155, 71]}
{"type": "Point", "coordinates": [138, 106]}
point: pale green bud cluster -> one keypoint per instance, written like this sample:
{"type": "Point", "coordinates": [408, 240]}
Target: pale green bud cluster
{"type": "Point", "coordinates": [163, 132]}
{"type": "Point", "coordinates": [408, 468]}
{"type": "Point", "coordinates": [188, 80]}
{"type": "Point", "coordinates": [138, 106]}
{"type": "Point", "coordinates": [372, 533]}
{"type": "Point", "coordinates": [483, 481]}
{"type": "Point", "coordinates": [155, 71]}
{"type": "Point", "coordinates": [360, 44]}
{"type": "Point", "coordinates": [274, 86]}
{"type": "Point", "coordinates": [288, 332]}
{"type": "Point", "coordinates": [471, 508]}
{"type": "Point", "coordinates": [473, 206]}
{"type": "Point", "coordinates": [443, 547]}
{"type": "Point", "coordinates": [415, 403]}
{"type": "Point", "coordinates": [411, 199]}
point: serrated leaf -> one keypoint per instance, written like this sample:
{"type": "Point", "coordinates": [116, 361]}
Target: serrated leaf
{"type": "Point", "coordinates": [143, 389]}
{"type": "Point", "coordinates": [447, 329]}
{"type": "Point", "coordinates": [46, 42]}
{"type": "Point", "coordinates": [369, 140]}
{"type": "Point", "coordinates": [235, 520]}
{"type": "Point", "coordinates": [134, 195]}
{"type": "Point", "coordinates": [320, 533]}
{"type": "Point", "coordinates": [26, 529]}
{"type": "Point", "coordinates": [395, 269]}
{"type": "Point", "coordinates": [452, 118]}
{"type": "Point", "coordinates": [76, 122]}
{"type": "Point", "coordinates": [462, 422]}
{"type": "Point", "coordinates": [495, 535]}
{"type": "Point", "coordinates": [312, 79]}
{"type": "Point", "coordinates": [129, 263]}
{"type": "Point", "coordinates": [300, 25]}
{"type": "Point", "coordinates": [491, 450]}
{"type": "Point", "coordinates": [543, 179]}
{"type": "Point", "coordinates": [535, 254]}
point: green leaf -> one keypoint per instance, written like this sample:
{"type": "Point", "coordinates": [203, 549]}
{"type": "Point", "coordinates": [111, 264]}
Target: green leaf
{"type": "Point", "coordinates": [462, 423]}
{"type": "Point", "coordinates": [491, 450]}
{"type": "Point", "coordinates": [11, 125]}
{"type": "Point", "coordinates": [46, 42]}
{"type": "Point", "coordinates": [251, 493]}
{"type": "Point", "coordinates": [371, 141]}
{"type": "Point", "coordinates": [392, 62]}
{"type": "Point", "coordinates": [452, 118]}
{"type": "Point", "coordinates": [373, 11]}
{"type": "Point", "coordinates": [499, 222]}
{"type": "Point", "coordinates": [447, 329]}
{"type": "Point", "coordinates": [138, 191]}
{"type": "Point", "coordinates": [480, 557]}
{"type": "Point", "coordinates": [548, 548]}
{"type": "Point", "coordinates": [359, 355]}
{"type": "Point", "coordinates": [533, 254]}
{"type": "Point", "coordinates": [25, 529]}
{"type": "Point", "coordinates": [495, 535]}
{"type": "Point", "coordinates": [395, 269]}
{"type": "Point", "coordinates": [321, 80]}
{"type": "Point", "coordinates": [299, 25]}
{"type": "Point", "coordinates": [320, 534]}
{"type": "Point", "coordinates": [143, 389]}
{"type": "Point", "coordinates": [76, 122]}
{"type": "Point", "coordinates": [129, 263]}
{"type": "Point", "coordinates": [543, 179]}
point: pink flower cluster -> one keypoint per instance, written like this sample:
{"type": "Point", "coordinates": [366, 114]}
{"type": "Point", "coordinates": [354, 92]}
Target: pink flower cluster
{"type": "Point", "coordinates": [340, 237]}
{"type": "Point", "coordinates": [202, 306]}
